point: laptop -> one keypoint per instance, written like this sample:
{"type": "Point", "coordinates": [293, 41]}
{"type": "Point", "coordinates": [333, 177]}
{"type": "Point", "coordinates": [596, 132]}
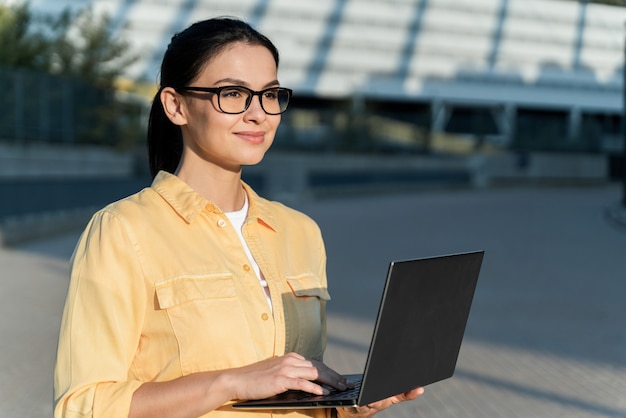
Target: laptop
{"type": "Point", "coordinates": [417, 336]}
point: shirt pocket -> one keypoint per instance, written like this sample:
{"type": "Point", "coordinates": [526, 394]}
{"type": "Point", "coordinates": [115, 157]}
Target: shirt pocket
{"type": "Point", "coordinates": [307, 285]}
{"type": "Point", "coordinates": [307, 305]}
{"type": "Point", "coordinates": [207, 319]}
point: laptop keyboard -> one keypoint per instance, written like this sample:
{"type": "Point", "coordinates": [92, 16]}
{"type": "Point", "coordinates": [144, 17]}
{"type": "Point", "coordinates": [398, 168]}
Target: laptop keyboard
{"type": "Point", "coordinates": [344, 394]}
{"type": "Point", "coordinates": [334, 395]}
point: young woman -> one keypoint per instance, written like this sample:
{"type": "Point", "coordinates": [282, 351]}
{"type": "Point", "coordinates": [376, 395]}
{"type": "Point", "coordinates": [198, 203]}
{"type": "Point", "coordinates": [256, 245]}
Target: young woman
{"type": "Point", "coordinates": [195, 292]}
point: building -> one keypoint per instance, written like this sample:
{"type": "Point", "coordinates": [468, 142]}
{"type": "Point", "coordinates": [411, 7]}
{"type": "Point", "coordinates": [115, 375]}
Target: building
{"type": "Point", "coordinates": [537, 74]}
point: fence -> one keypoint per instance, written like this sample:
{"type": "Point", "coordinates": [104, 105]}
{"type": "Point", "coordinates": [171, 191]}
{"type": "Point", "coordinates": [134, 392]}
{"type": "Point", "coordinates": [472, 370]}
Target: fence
{"type": "Point", "coordinates": [39, 107]}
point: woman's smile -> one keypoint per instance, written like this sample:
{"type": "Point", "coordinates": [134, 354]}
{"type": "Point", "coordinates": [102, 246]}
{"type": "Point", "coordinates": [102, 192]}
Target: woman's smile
{"type": "Point", "coordinates": [253, 137]}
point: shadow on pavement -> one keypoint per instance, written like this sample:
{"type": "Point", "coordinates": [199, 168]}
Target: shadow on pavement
{"type": "Point", "coordinates": [552, 277]}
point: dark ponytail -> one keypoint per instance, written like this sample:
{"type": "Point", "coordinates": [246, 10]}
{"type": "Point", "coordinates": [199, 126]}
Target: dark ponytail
{"type": "Point", "coordinates": [184, 58]}
{"type": "Point", "coordinates": [165, 141]}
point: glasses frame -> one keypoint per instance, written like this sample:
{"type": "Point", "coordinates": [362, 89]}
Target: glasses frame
{"type": "Point", "coordinates": [218, 90]}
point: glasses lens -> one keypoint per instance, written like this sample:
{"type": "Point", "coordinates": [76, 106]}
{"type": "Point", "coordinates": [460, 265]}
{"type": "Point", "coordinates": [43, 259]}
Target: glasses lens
{"type": "Point", "coordinates": [234, 99]}
{"type": "Point", "coordinates": [237, 99]}
{"type": "Point", "coordinates": [275, 100]}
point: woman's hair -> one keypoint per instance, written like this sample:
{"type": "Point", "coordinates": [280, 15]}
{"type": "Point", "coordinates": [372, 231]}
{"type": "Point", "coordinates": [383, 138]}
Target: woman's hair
{"type": "Point", "coordinates": [186, 55]}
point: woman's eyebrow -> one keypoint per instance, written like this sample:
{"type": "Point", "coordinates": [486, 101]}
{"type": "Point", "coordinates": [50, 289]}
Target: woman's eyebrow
{"type": "Point", "coordinates": [237, 82]}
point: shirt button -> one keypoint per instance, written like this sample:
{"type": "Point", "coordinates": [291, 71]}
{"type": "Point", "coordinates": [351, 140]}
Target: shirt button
{"type": "Point", "coordinates": [221, 223]}
{"type": "Point", "coordinates": [246, 267]}
{"type": "Point", "coordinates": [265, 317]}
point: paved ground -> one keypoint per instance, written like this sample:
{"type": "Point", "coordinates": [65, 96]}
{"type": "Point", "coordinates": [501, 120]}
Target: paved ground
{"type": "Point", "coordinates": [546, 337]}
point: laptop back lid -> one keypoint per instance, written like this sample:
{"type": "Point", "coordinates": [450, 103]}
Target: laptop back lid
{"type": "Point", "coordinates": [421, 323]}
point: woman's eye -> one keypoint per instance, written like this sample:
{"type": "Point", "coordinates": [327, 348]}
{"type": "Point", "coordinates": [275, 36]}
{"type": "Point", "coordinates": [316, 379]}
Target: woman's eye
{"type": "Point", "coordinates": [271, 94]}
{"type": "Point", "coordinates": [232, 93]}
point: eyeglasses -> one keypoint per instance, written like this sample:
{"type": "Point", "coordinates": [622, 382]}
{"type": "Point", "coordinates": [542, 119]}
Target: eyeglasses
{"type": "Point", "coordinates": [236, 99]}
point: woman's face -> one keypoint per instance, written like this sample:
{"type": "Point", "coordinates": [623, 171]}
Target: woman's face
{"type": "Point", "coordinates": [226, 140]}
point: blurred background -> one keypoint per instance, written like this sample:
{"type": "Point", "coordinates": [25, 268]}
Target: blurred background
{"type": "Point", "coordinates": [442, 125]}
{"type": "Point", "coordinates": [388, 94]}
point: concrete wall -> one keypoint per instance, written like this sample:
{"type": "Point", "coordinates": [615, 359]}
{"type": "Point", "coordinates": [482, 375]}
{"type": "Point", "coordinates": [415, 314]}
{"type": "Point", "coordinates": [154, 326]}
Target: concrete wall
{"type": "Point", "coordinates": [46, 190]}
{"type": "Point", "coordinates": [45, 161]}
{"type": "Point", "coordinates": [538, 168]}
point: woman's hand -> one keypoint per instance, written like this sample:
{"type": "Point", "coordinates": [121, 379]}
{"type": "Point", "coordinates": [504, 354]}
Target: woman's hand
{"type": "Point", "coordinates": [279, 374]}
{"type": "Point", "coordinates": [198, 393]}
{"type": "Point", "coordinates": [375, 407]}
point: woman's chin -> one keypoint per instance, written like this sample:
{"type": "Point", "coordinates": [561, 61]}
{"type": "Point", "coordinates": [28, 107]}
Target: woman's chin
{"type": "Point", "coordinates": [252, 158]}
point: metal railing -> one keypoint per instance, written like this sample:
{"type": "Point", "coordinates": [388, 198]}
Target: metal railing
{"type": "Point", "coordinates": [39, 107]}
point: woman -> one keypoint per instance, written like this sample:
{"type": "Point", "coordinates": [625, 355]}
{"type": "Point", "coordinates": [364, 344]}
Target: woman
{"type": "Point", "coordinates": [195, 292]}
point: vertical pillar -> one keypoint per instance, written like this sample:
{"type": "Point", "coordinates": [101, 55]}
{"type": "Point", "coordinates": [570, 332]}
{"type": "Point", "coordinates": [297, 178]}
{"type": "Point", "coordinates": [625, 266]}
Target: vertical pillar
{"type": "Point", "coordinates": [68, 114]}
{"type": "Point", "coordinates": [44, 108]}
{"type": "Point", "coordinates": [19, 106]}
{"type": "Point", "coordinates": [439, 115]}
{"type": "Point", "coordinates": [573, 127]}
{"type": "Point", "coordinates": [506, 123]}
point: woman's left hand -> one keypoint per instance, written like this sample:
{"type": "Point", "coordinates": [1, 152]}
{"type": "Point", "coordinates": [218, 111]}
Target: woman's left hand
{"type": "Point", "coordinates": [375, 407]}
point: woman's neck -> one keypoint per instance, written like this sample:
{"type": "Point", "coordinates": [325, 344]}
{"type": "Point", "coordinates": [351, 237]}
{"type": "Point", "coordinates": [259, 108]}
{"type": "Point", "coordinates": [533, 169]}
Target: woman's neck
{"type": "Point", "coordinates": [220, 186]}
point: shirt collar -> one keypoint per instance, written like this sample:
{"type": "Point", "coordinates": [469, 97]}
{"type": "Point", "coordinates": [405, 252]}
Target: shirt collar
{"type": "Point", "coordinates": [260, 209]}
{"type": "Point", "coordinates": [189, 204]}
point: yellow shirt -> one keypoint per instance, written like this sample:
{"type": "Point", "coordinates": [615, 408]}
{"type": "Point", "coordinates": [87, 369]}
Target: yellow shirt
{"type": "Point", "coordinates": [161, 287]}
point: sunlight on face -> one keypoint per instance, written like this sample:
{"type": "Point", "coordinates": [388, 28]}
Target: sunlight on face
{"type": "Point", "coordinates": [226, 140]}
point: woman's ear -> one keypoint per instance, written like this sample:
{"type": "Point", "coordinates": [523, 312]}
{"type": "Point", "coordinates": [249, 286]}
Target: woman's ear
{"type": "Point", "coordinates": [173, 106]}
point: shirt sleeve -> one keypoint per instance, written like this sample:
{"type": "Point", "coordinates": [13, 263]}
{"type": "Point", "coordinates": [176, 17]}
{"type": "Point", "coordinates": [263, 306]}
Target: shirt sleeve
{"type": "Point", "coordinates": [101, 324]}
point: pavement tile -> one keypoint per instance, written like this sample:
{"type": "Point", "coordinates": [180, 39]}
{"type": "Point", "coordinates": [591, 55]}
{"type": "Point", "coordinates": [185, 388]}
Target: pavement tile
{"type": "Point", "coordinates": [546, 336]}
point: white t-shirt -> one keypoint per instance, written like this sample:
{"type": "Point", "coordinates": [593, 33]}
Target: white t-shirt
{"type": "Point", "coordinates": [237, 219]}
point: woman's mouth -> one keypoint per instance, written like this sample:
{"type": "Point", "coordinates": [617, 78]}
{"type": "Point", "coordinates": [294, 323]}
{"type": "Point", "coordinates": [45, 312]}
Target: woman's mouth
{"type": "Point", "coordinates": [254, 137]}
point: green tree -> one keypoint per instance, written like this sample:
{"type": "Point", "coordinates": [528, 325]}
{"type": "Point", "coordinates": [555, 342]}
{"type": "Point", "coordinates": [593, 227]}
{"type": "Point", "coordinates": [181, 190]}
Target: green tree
{"type": "Point", "coordinates": [85, 47]}
{"type": "Point", "coordinates": [77, 44]}
{"type": "Point", "coordinates": [81, 46]}
{"type": "Point", "coordinates": [19, 45]}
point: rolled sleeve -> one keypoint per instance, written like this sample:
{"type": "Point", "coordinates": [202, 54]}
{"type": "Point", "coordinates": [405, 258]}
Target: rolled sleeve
{"type": "Point", "coordinates": [101, 323]}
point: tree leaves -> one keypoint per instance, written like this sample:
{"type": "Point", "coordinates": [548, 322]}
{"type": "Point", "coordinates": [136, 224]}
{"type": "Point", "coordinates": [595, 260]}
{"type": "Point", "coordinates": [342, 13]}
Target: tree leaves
{"type": "Point", "coordinates": [76, 44]}
{"type": "Point", "coordinates": [60, 71]}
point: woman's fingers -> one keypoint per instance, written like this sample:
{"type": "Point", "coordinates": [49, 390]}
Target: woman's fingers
{"type": "Point", "coordinates": [406, 396]}
{"type": "Point", "coordinates": [375, 407]}
{"type": "Point", "coordinates": [329, 377]}
{"type": "Point", "coordinates": [279, 374]}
